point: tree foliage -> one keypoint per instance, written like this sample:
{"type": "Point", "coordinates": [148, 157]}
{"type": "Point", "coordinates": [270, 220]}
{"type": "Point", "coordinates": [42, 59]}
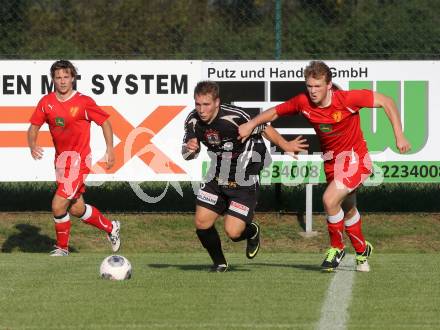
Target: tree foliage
{"type": "Point", "coordinates": [219, 29]}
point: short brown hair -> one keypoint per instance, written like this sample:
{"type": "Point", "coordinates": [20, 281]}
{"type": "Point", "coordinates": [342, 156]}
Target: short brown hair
{"type": "Point", "coordinates": [318, 69]}
{"type": "Point", "coordinates": [207, 87]}
{"type": "Point", "coordinates": [63, 65]}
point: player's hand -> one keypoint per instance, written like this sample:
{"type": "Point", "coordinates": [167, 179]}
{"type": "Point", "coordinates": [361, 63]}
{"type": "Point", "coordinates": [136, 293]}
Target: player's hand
{"type": "Point", "coordinates": [192, 145]}
{"type": "Point", "coordinates": [190, 149]}
{"type": "Point", "coordinates": [110, 158]}
{"type": "Point", "coordinates": [244, 131]}
{"type": "Point", "coordinates": [403, 145]}
{"type": "Point", "coordinates": [294, 146]}
{"type": "Point", "coordinates": [37, 152]}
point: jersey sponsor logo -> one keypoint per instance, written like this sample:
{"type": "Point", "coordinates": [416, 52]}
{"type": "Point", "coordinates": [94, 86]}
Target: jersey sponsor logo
{"type": "Point", "coordinates": [239, 208]}
{"type": "Point", "coordinates": [337, 116]}
{"type": "Point", "coordinates": [50, 106]}
{"type": "Point", "coordinates": [213, 137]}
{"type": "Point", "coordinates": [207, 197]}
{"type": "Point", "coordinates": [326, 128]}
{"type": "Point", "coordinates": [59, 121]}
{"type": "Point", "coordinates": [74, 111]}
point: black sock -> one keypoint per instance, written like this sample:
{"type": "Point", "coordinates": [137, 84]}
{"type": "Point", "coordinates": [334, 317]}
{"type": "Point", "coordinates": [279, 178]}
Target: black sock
{"type": "Point", "coordinates": [59, 217]}
{"type": "Point", "coordinates": [211, 242]}
{"type": "Point", "coordinates": [248, 232]}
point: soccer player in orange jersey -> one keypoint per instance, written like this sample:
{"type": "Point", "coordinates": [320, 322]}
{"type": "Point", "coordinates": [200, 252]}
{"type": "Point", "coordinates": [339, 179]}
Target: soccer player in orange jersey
{"type": "Point", "coordinates": [69, 114]}
{"type": "Point", "coordinates": [334, 115]}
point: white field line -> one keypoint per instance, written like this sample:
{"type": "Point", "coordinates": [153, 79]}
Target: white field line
{"type": "Point", "coordinates": [334, 312]}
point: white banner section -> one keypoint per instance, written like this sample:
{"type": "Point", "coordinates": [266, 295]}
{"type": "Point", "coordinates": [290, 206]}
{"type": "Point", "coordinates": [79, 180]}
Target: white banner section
{"type": "Point", "coordinates": [148, 102]}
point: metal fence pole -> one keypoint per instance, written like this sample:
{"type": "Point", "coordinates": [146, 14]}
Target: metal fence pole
{"type": "Point", "coordinates": [277, 57]}
{"type": "Point", "coordinates": [278, 21]}
{"type": "Point", "coordinates": [309, 208]}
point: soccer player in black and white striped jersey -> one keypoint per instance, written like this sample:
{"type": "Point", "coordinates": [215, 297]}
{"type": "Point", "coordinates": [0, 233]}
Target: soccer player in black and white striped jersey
{"type": "Point", "coordinates": [232, 184]}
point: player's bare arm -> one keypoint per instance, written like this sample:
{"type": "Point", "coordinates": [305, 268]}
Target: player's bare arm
{"type": "Point", "coordinates": [245, 130]}
{"type": "Point", "coordinates": [107, 131]}
{"type": "Point", "coordinates": [32, 135]}
{"type": "Point", "coordinates": [190, 149]}
{"type": "Point", "coordinates": [291, 147]}
{"type": "Point", "coordinates": [390, 108]}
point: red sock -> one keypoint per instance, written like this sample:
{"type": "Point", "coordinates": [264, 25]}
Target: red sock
{"type": "Point", "coordinates": [335, 225]}
{"type": "Point", "coordinates": [62, 230]}
{"type": "Point", "coordinates": [335, 231]}
{"type": "Point", "coordinates": [353, 228]}
{"type": "Point", "coordinates": [93, 217]}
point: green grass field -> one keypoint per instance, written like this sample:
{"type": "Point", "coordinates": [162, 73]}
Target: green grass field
{"type": "Point", "coordinates": [171, 288]}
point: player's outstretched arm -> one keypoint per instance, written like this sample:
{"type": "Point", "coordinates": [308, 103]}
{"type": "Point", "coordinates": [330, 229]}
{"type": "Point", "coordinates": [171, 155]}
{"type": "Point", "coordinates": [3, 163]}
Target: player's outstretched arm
{"type": "Point", "coordinates": [245, 130]}
{"type": "Point", "coordinates": [32, 135]}
{"type": "Point", "coordinates": [290, 147]}
{"type": "Point", "coordinates": [390, 108]}
{"type": "Point", "coordinates": [107, 131]}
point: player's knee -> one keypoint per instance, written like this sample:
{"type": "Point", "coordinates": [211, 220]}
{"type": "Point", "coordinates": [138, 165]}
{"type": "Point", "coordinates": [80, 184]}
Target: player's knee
{"type": "Point", "coordinates": [233, 233]}
{"type": "Point", "coordinates": [77, 210]}
{"type": "Point", "coordinates": [329, 201]}
{"type": "Point", "coordinates": [201, 223]}
{"type": "Point", "coordinates": [58, 210]}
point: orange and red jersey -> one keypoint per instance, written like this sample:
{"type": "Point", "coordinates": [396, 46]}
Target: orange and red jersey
{"type": "Point", "coordinates": [337, 125]}
{"type": "Point", "coordinates": [69, 124]}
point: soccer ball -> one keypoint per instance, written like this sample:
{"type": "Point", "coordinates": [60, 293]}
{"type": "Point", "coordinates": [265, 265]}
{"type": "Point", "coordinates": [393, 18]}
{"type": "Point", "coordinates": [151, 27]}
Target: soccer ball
{"type": "Point", "coordinates": [115, 268]}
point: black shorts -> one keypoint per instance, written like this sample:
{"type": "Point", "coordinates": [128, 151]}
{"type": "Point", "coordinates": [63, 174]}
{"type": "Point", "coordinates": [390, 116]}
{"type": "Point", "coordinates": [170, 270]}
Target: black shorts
{"type": "Point", "coordinates": [237, 201]}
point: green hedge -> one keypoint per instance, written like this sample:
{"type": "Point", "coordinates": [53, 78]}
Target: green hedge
{"type": "Point", "coordinates": [120, 197]}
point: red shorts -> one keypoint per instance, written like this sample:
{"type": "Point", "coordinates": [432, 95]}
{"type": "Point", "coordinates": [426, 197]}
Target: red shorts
{"type": "Point", "coordinates": [70, 182]}
{"type": "Point", "coordinates": [349, 170]}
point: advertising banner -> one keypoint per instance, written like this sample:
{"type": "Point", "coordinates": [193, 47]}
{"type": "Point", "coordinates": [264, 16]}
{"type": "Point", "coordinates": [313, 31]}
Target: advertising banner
{"type": "Point", "coordinates": [148, 102]}
{"type": "Point", "coordinates": [255, 84]}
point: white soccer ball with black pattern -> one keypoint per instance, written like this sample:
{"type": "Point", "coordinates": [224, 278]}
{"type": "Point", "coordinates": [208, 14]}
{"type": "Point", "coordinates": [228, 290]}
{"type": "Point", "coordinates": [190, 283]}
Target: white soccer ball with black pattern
{"type": "Point", "coordinates": [115, 268]}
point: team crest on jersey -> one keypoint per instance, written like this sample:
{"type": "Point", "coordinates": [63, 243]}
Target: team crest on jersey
{"type": "Point", "coordinates": [74, 111]}
{"type": "Point", "coordinates": [326, 128]}
{"type": "Point", "coordinates": [337, 116]}
{"type": "Point", "coordinates": [212, 137]}
{"type": "Point", "coordinates": [59, 121]}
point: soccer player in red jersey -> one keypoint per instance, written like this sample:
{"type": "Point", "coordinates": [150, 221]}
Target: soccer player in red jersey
{"type": "Point", "coordinates": [334, 114]}
{"type": "Point", "coordinates": [69, 114]}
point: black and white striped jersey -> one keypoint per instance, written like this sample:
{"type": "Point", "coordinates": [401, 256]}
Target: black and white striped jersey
{"type": "Point", "coordinates": [230, 158]}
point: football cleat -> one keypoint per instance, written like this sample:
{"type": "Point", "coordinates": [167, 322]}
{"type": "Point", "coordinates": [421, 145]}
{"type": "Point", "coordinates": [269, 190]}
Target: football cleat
{"type": "Point", "coordinates": [332, 259]}
{"type": "Point", "coordinates": [219, 268]}
{"type": "Point", "coordinates": [253, 243]}
{"type": "Point", "coordinates": [362, 258]}
{"type": "Point", "coordinates": [114, 237]}
{"type": "Point", "coordinates": [59, 252]}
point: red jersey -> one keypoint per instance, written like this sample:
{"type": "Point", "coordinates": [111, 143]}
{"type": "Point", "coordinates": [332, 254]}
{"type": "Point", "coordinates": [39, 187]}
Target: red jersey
{"type": "Point", "coordinates": [69, 123]}
{"type": "Point", "coordinates": [337, 125]}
